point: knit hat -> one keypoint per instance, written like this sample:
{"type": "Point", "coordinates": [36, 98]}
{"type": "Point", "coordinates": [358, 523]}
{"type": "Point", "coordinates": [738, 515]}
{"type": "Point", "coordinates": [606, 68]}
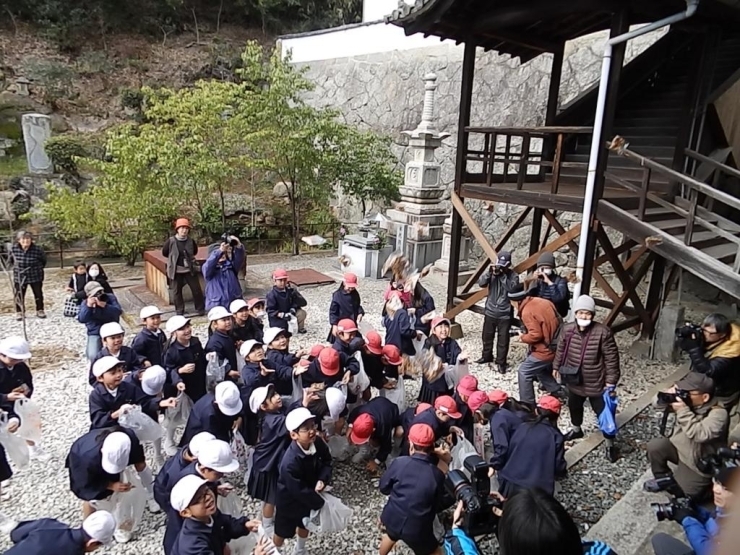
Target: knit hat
{"type": "Point", "coordinates": [584, 302]}
{"type": "Point", "coordinates": [546, 259]}
{"type": "Point", "coordinates": [518, 293]}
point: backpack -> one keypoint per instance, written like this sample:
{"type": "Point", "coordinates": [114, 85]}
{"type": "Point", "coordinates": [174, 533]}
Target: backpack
{"type": "Point", "coordinates": [457, 542]}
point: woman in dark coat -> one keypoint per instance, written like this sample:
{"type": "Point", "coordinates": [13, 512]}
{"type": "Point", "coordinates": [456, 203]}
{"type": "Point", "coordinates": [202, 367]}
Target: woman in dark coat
{"type": "Point", "coordinates": [29, 261]}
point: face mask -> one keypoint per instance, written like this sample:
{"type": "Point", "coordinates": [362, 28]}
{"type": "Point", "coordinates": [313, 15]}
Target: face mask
{"type": "Point", "coordinates": [583, 323]}
{"type": "Point", "coordinates": [94, 273]}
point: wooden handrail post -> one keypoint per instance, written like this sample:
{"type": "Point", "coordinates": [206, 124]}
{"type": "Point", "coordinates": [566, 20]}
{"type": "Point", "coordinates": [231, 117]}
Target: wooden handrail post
{"type": "Point", "coordinates": [691, 216]}
{"type": "Point", "coordinates": [489, 175]}
{"type": "Point", "coordinates": [644, 193]}
{"type": "Point", "coordinates": [524, 157]}
{"type": "Point", "coordinates": [557, 159]}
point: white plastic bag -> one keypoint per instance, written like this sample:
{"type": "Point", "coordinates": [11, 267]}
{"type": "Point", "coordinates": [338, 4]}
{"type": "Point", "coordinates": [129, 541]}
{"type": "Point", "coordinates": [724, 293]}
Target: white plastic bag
{"type": "Point", "coordinates": [461, 451]}
{"type": "Point", "coordinates": [144, 427]}
{"type": "Point", "coordinates": [454, 373]}
{"type": "Point", "coordinates": [30, 414]}
{"type": "Point", "coordinates": [239, 448]}
{"type": "Point", "coordinates": [479, 440]}
{"type": "Point", "coordinates": [230, 504]}
{"type": "Point", "coordinates": [297, 394]}
{"type": "Point", "coordinates": [334, 516]}
{"type": "Point", "coordinates": [339, 448]}
{"type": "Point", "coordinates": [15, 447]}
{"type": "Point", "coordinates": [396, 395]}
{"type": "Point", "coordinates": [250, 460]}
{"type": "Point", "coordinates": [128, 506]}
{"type": "Point", "coordinates": [215, 371]}
{"type": "Point", "coordinates": [364, 327]}
{"type": "Point", "coordinates": [293, 325]}
{"type": "Point", "coordinates": [177, 416]}
{"type": "Point", "coordinates": [419, 343]}
{"type": "Point", "coordinates": [359, 382]}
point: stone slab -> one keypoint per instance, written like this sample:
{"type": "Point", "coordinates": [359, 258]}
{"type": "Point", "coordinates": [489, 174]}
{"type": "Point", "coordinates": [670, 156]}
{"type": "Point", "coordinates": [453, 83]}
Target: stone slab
{"type": "Point", "coordinates": [36, 131]}
{"type": "Point", "coordinates": [664, 342]}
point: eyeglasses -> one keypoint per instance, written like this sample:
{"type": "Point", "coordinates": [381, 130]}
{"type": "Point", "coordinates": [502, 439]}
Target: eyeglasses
{"type": "Point", "coordinates": [307, 428]}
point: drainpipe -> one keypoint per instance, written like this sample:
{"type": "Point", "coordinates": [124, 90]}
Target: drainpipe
{"type": "Point", "coordinates": [596, 141]}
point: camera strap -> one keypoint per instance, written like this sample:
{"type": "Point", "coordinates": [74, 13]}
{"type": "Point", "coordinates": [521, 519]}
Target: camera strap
{"type": "Point", "coordinates": [664, 421]}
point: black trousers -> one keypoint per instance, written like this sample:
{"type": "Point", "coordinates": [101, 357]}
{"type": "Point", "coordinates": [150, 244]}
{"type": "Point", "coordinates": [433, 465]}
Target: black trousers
{"type": "Point", "coordinates": [20, 295]}
{"type": "Point", "coordinates": [491, 327]}
{"type": "Point", "coordinates": [176, 285]}
{"type": "Point", "coordinates": [576, 403]}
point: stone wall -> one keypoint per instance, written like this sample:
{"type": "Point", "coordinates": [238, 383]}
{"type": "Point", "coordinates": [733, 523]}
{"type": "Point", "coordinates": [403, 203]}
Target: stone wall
{"type": "Point", "coordinates": [385, 92]}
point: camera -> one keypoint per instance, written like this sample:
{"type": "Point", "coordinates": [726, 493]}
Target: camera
{"type": "Point", "coordinates": [478, 517]}
{"type": "Point", "coordinates": [226, 238]}
{"type": "Point", "coordinates": [668, 398]}
{"type": "Point", "coordinates": [666, 511]}
{"type": "Point", "coordinates": [711, 464]}
{"type": "Point", "coordinates": [102, 295]}
{"type": "Point", "coordinates": [689, 330]}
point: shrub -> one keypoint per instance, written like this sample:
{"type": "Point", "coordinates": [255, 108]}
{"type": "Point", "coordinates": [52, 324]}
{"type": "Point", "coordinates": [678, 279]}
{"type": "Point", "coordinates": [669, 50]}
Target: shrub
{"type": "Point", "coordinates": [66, 151]}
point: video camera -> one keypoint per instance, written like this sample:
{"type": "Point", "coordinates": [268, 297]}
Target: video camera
{"type": "Point", "coordinates": [226, 238]}
{"type": "Point", "coordinates": [478, 517]}
{"type": "Point", "coordinates": [666, 511]}
{"type": "Point", "coordinates": [711, 464]}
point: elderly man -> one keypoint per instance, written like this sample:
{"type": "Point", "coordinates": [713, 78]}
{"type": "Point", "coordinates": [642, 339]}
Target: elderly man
{"type": "Point", "coordinates": [29, 261]}
{"type": "Point", "coordinates": [182, 268]}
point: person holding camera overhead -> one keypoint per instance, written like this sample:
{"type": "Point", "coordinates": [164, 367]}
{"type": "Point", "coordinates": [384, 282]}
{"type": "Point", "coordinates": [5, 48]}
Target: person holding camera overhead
{"type": "Point", "coordinates": [221, 272]}
{"type": "Point", "coordinates": [98, 308]}
{"type": "Point", "coordinates": [550, 285]}
{"type": "Point", "coordinates": [182, 268]}
{"type": "Point", "coordinates": [700, 525]}
{"type": "Point", "coordinates": [700, 429]}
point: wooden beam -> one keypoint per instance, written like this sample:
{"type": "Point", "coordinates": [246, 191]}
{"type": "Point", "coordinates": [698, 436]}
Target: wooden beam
{"type": "Point", "coordinates": [477, 232]}
{"type": "Point", "coordinates": [626, 324]}
{"type": "Point", "coordinates": [620, 304]}
{"type": "Point", "coordinates": [624, 247]}
{"type": "Point", "coordinates": [535, 199]}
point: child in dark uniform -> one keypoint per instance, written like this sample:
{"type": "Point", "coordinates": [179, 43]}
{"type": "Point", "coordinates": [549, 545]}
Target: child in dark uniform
{"type": "Point", "coordinates": [345, 303]}
{"type": "Point", "coordinates": [448, 350]}
{"type": "Point", "coordinates": [150, 343]}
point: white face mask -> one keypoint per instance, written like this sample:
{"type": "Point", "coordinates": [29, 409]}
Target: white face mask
{"type": "Point", "coordinates": [94, 272]}
{"type": "Point", "coordinates": [583, 323]}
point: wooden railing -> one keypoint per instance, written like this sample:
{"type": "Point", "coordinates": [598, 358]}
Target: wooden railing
{"type": "Point", "coordinates": [521, 154]}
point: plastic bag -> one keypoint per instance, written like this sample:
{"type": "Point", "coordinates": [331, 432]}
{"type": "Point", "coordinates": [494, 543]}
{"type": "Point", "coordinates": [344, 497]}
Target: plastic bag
{"type": "Point", "coordinates": [339, 448]}
{"type": "Point", "coordinates": [239, 448]}
{"type": "Point", "coordinates": [461, 451]}
{"type": "Point", "coordinates": [230, 504]}
{"type": "Point", "coordinates": [215, 371]}
{"type": "Point", "coordinates": [178, 416]}
{"type": "Point", "coordinates": [293, 325]}
{"type": "Point", "coordinates": [144, 427]}
{"type": "Point", "coordinates": [248, 465]}
{"type": "Point", "coordinates": [479, 440]}
{"type": "Point", "coordinates": [334, 516]}
{"type": "Point", "coordinates": [244, 545]}
{"type": "Point", "coordinates": [128, 506]}
{"type": "Point", "coordinates": [364, 327]}
{"type": "Point", "coordinates": [30, 414]}
{"type": "Point", "coordinates": [608, 416]}
{"type": "Point", "coordinates": [359, 382]}
{"type": "Point", "coordinates": [15, 446]}
{"type": "Point", "coordinates": [396, 395]}
{"type": "Point", "coordinates": [297, 390]}
{"type": "Point", "coordinates": [453, 374]}
{"type": "Point", "coordinates": [419, 343]}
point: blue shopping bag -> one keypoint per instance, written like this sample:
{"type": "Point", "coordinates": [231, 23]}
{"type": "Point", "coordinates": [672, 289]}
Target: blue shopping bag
{"type": "Point", "coordinates": [608, 416]}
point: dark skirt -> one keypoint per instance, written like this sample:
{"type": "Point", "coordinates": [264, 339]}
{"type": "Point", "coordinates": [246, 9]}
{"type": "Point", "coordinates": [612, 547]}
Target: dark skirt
{"type": "Point", "coordinates": [429, 395]}
{"type": "Point", "coordinates": [5, 471]}
{"type": "Point", "coordinates": [263, 486]}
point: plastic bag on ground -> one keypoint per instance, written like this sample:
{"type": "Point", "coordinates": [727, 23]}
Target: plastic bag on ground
{"type": "Point", "coordinates": [215, 371]}
{"type": "Point", "coordinates": [608, 416]}
{"type": "Point", "coordinates": [30, 414]}
{"type": "Point", "coordinates": [334, 516]}
{"type": "Point", "coordinates": [461, 451]}
{"type": "Point", "coordinates": [175, 417]}
{"type": "Point", "coordinates": [239, 448]}
{"type": "Point", "coordinates": [128, 506]}
{"type": "Point", "coordinates": [293, 325]}
{"type": "Point", "coordinates": [144, 427]}
{"type": "Point", "coordinates": [230, 504]}
{"type": "Point", "coordinates": [419, 343]}
{"type": "Point", "coordinates": [396, 395]}
{"type": "Point", "coordinates": [339, 448]}
{"type": "Point", "coordinates": [359, 382]}
{"type": "Point", "coordinates": [15, 446]}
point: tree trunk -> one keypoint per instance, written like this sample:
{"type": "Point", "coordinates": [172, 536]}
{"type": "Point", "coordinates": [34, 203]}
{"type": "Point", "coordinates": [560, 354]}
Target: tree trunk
{"type": "Point", "coordinates": [294, 209]}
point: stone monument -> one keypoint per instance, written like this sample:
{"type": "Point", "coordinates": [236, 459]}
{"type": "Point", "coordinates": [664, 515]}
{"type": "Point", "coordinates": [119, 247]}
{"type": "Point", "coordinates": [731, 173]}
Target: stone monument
{"type": "Point", "coordinates": [415, 225]}
{"type": "Point", "coordinates": [36, 131]}
{"type": "Point", "coordinates": [443, 264]}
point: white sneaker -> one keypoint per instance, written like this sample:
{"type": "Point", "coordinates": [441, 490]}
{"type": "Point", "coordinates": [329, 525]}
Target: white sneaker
{"type": "Point", "coordinates": [153, 506]}
{"type": "Point", "coordinates": [122, 536]}
{"type": "Point", "coordinates": [38, 454]}
{"type": "Point", "coordinates": [298, 551]}
{"type": "Point", "coordinates": [7, 525]}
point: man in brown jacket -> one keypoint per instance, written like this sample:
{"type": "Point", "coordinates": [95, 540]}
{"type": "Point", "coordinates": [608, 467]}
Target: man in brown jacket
{"type": "Point", "coordinates": [587, 362]}
{"type": "Point", "coordinates": [541, 322]}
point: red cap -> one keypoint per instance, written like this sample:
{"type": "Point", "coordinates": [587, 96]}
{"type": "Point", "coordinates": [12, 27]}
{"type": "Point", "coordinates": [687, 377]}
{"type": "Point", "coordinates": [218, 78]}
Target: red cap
{"type": "Point", "coordinates": [498, 396]}
{"type": "Point", "coordinates": [447, 405]}
{"type": "Point", "coordinates": [392, 354]}
{"type": "Point", "coordinates": [548, 402]}
{"type": "Point", "coordinates": [421, 407]}
{"type": "Point", "coordinates": [182, 222]}
{"type": "Point", "coordinates": [316, 350]}
{"type": "Point", "coordinates": [374, 342]}
{"type": "Point", "coordinates": [439, 320]}
{"type": "Point", "coordinates": [362, 429]}
{"type": "Point", "coordinates": [477, 400]}
{"type": "Point", "coordinates": [350, 280]}
{"type": "Point", "coordinates": [329, 361]}
{"type": "Point", "coordinates": [254, 301]}
{"type": "Point", "coordinates": [468, 385]}
{"type": "Point", "coordinates": [280, 273]}
{"type": "Point", "coordinates": [346, 325]}
{"type": "Point", "coordinates": [421, 435]}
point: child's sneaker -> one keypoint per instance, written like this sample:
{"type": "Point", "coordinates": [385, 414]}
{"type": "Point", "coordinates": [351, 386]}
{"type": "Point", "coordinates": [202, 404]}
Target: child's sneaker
{"type": "Point", "coordinates": [122, 536]}
{"type": "Point", "coordinates": [300, 550]}
{"type": "Point", "coordinates": [7, 525]}
{"type": "Point", "coordinates": [38, 454]}
{"type": "Point", "coordinates": [153, 506]}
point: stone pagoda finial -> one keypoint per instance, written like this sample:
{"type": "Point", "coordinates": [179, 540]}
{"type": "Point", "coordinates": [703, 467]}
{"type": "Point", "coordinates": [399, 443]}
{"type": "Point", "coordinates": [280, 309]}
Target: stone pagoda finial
{"type": "Point", "coordinates": [427, 128]}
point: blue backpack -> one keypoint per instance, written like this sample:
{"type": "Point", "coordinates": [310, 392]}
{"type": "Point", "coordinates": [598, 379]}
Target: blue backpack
{"type": "Point", "coordinates": [457, 542]}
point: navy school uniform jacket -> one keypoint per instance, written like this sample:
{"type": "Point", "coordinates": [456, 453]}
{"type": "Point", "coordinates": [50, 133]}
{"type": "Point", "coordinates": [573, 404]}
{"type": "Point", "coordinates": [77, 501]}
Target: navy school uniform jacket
{"type": "Point", "coordinates": [399, 332]}
{"type": "Point", "coordinates": [277, 301]}
{"type": "Point", "coordinates": [347, 357]}
{"type": "Point", "coordinates": [94, 318]}
{"type": "Point", "coordinates": [344, 305]}
{"type": "Point", "coordinates": [87, 479]}
{"type": "Point", "coordinates": [536, 457]}
{"type": "Point", "coordinates": [251, 374]}
{"type": "Point", "coordinates": [503, 424]}
{"type": "Point", "coordinates": [374, 367]}
{"type": "Point", "coordinates": [39, 537]}
{"type": "Point", "coordinates": [274, 440]}
{"type": "Point", "coordinates": [415, 487]}
{"type": "Point", "coordinates": [205, 417]}
{"type": "Point", "coordinates": [251, 330]}
{"type": "Point", "coordinates": [314, 374]}
{"type": "Point", "coordinates": [448, 350]}
{"type": "Point", "coordinates": [299, 473]}
{"type": "Point", "coordinates": [134, 363]}
{"type": "Point", "coordinates": [427, 306]}
{"type": "Point", "coordinates": [177, 356]}
{"type": "Point", "coordinates": [199, 538]}
{"type": "Point", "coordinates": [150, 346]}
{"type": "Point", "coordinates": [386, 417]}
{"type": "Point", "coordinates": [103, 403]}
{"type": "Point", "coordinates": [223, 345]}
{"type": "Point", "coordinates": [466, 421]}
{"type": "Point", "coordinates": [281, 358]}
{"type": "Point", "coordinates": [10, 379]}
{"type": "Point", "coordinates": [429, 416]}
{"type": "Point", "coordinates": [167, 476]}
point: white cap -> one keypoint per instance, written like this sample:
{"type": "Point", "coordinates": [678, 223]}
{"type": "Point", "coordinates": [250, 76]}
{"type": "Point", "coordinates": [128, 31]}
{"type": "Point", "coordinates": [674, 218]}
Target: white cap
{"type": "Point", "coordinates": [259, 396]}
{"type": "Point", "coordinates": [272, 333]}
{"type": "Point", "coordinates": [149, 311]}
{"type": "Point", "coordinates": [247, 347]}
{"type": "Point", "coordinates": [175, 323]}
{"type": "Point", "coordinates": [152, 380]}
{"type": "Point", "coordinates": [237, 305]}
{"type": "Point", "coordinates": [109, 329]}
{"type": "Point", "coordinates": [15, 347]}
{"type": "Point", "coordinates": [102, 365]}
{"type": "Point", "coordinates": [217, 455]}
{"type": "Point", "coordinates": [198, 441]}
{"type": "Point", "coordinates": [227, 398]}
{"type": "Point", "coordinates": [218, 312]}
{"type": "Point", "coordinates": [185, 489]}
{"type": "Point", "coordinates": [100, 526]}
{"type": "Point", "coordinates": [296, 417]}
{"type": "Point", "coordinates": [116, 450]}
{"type": "Point", "coordinates": [336, 400]}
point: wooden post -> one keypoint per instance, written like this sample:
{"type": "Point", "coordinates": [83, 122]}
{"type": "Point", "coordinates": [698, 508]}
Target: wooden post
{"type": "Point", "coordinates": [620, 25]}
{"type": "Point", "coordinates": [466, 99]}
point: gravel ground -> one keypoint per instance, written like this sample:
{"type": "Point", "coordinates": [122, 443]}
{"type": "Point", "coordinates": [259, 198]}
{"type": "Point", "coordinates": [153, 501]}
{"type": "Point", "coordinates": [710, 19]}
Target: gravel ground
{"type": "Point", "coordinates": [42, 489]}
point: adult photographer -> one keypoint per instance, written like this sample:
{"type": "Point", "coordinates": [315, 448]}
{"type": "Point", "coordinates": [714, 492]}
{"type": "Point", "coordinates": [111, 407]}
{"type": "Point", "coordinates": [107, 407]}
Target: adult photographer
{"type": "Point", "coordinates": [97, 309]}
{"type": "Point", "coordinates": [714, 350]}
{"type": "Point", "coordinates": [221, 272]}
{"type": "Point", "coordinates": [700, 525]}
{"type": "Point", "coordinates": [499, 279]}
{"type": "Point", "coordinates": [700, 429]}
{"type": "Point", "coordinates": [550, 285]}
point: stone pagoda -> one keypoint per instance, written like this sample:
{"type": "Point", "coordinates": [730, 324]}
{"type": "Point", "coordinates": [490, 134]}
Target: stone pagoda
{"type": "Point", "coordinates": [417, 221]}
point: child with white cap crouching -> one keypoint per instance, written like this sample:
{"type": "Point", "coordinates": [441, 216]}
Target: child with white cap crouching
{"type": "Point", "coordinates": [205, 530]}
{"type": "Point", "coordinates": [39, 537]}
